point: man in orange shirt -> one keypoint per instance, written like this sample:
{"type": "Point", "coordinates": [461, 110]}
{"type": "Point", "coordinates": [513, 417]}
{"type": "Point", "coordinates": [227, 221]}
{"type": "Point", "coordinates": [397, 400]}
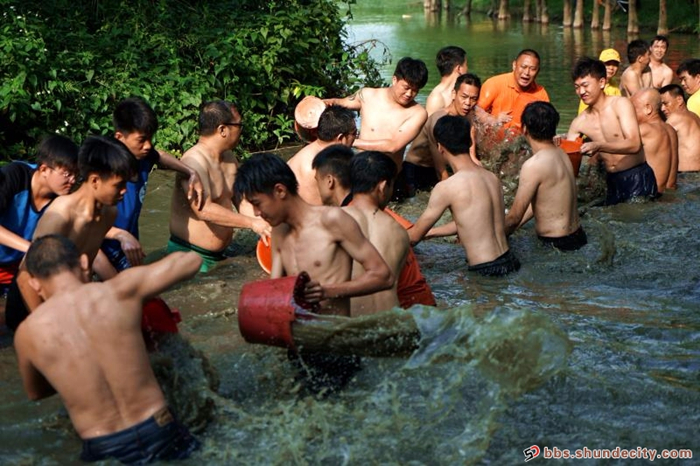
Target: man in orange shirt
{"type": "Point", "coordinates": [505, 95]}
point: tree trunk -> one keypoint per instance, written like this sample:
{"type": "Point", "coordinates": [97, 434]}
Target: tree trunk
{"type": "Point", "coordinates": [595, 19]}
{"type": "Point", "coordinates": [632, 19]}
{"type": "Point", "coordinates": [607, 16]}
{"type": "Point", "coordinates": [567, 14]}
{"type": "Point", "coordinates": [542, 12]}
{"type": "Point", "coordinates": [467, 10]}
{"type": "Point", "coordinates": [432, 5]}
{"type": "Point", "coordinates": [663, 24]}
{"type": "Point", "coordinates": [578, 17]}
{"type": "Point", "coordinates": [526, 11]}
{"type": "Point", "coordinates": [503, 12]}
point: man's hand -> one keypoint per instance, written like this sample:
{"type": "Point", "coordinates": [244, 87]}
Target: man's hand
{"type": "Point", "coordinates": [195, 188]}
{"type": "Point", "coordinates": [313, 292]}
{"type": "Point", "coordinates": [131, 247]}
{"type": "Point", "coordinates": [590, 148]}
{"type": "Point", "coordinates": [504, 117]}
{"type": "Point", "coordinates": [262, 228]}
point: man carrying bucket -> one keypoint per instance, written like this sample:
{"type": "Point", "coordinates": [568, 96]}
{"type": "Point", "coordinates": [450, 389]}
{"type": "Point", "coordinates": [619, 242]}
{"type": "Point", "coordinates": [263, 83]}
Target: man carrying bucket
{"type": "Point", "coordinates": [547, 186]}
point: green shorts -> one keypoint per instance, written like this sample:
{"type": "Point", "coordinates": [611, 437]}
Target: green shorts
{"type": "Point", "coordinates": [209, 258]}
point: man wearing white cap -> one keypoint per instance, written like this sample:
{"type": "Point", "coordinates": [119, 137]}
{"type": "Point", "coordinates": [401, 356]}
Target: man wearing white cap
{"type": "Point", "coordinates": [612, 64]}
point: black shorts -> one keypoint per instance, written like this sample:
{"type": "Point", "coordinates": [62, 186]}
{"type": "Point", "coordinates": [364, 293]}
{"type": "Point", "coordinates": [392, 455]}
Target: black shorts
{"type": "Point", "coordinates": [15, 310]}
{"type": "Point", "coordinates": [572, 242]}
{"type": "Point", "coordinates": [502, 265]}
{"type": "Point", "coordinates": [635, 182]}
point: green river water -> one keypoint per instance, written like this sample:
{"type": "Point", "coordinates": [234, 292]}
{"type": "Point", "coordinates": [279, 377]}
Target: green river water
{"type": "Point", "coordinates": [603, 344]}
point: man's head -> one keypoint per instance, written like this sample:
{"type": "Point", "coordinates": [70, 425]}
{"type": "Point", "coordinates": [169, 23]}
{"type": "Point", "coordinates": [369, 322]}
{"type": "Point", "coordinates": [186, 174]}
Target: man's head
{"type": "Point", "coordinates": [540, 120]}
{"type": "Point", "coordinates": [57, 162]}
{"type": "Point", "coordinates": [689, 74]}
{"type": "Point", "coordinates": [51, 255]}
{"type": "Point", "coordinates": [466, 93]}
{"type": "Point", "coordinates": [526, 67]}
{"type": "Point", "coordinates": [659, 47]}
{"type": "Point", "coordinates": [105, 166]}
{"type": "Point", "coordinates": [265, 181]}
{"type": "Point", "coordinates": [221, 120]}
{"type": "Point", "coordinates": [332, 166]}
{"type": "Point", "coordinates": [638, 52]}
{"type": "Point", "coordinates": [453, 133]}
{"type": "Point", "coordinates": [647, 104]}
{"type": "Point", "coordinates": [589, 78]}
{"type": "Point", "coordinates": [337, 124]}
{"type": "Point", "coordinates": [135, 124]}
{"type": "Point", "coordinates": [612, 62]}
{"type": "Point", "coordinates": [410, 76]}
{"type": "Point", "coordinates": [373, 172]}
{"type": "Point", "coordinates": [451, 59]}
{"type": "Point", "coordinates": [672, 99]}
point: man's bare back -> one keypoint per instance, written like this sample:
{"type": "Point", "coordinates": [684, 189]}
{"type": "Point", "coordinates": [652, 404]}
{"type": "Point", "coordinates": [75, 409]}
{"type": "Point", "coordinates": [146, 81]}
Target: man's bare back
{"type": "Point", "coordinates": [300, 164]}
{"type": "Point", "coordinates": [658, 150]}
{"type": "Point", "coordinates": [632, 81]}
{"type": "Point", "coordinates": [687, 126]}
{"type": "Point", "coordinates": [439, 97]}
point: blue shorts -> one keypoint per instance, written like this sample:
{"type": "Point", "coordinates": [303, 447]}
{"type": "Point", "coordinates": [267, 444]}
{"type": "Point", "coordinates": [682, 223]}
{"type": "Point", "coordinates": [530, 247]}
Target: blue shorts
{"type": "Point", "coordinates": [160, 437]}
{"type": "Point", "coordinates": [635, 182]}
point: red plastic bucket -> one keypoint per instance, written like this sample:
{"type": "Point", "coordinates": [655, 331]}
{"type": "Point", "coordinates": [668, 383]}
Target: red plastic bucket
{"type": "Point", "coordinates": [263, 252]}
{"type": "Point", "coordinates": [267, 308]}
{"type": "Point", "coordinates": [573, 150]}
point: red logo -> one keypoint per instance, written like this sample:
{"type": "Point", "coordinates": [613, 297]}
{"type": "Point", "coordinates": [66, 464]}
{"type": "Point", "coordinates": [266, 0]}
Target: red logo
{"type": "Point", "coordinates": [531, 453]}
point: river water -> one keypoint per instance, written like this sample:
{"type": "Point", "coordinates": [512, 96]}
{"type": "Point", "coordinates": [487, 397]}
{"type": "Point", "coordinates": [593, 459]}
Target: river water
{"type": "Point", "coordinates": [598, 348]}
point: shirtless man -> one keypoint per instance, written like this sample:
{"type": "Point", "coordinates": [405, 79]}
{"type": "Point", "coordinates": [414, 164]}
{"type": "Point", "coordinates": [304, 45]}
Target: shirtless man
{"type": "Point", "coordinates": [332, 167]}
{"type": "Point", "coordinates": [390, 116]}
{"type": "Point", "coordinates": [322, 241]}
{"type": "Point", "coordinates": [686, 124]}
{"type": "Point", "coordinates": [688, 73]}
{"type": "Point", "coordinates": [84, 216]}
{"type": "Point", "coordinates": [85, 343]}
{"type": "Point", "coordinates": [372, 177]}
{"type": "Point", "coordinates": [424, 166]}
{"type": "Point", "coordinates": [612, 65]}
{"type": "Point", "coordinates": [475, 197]}
{"type": "Point", "coordinates": [611, 125]}
{"type": "Point", "coordinates": [209, 230]}
{"type": "Point", "coordinates": [451, 62]}
{"type": "Point", "coordinates": [658, 138]}
{"type": "Point", "coordinates": [638, 75]}
{"type": "Point", "coordinates": [547, 186]}
{"type": "Point", "coordinates": [336, 125]}
{"type": "Point", "coordinates": [505, 96]}
{"type": "Point", "coordinates": [661, 73]}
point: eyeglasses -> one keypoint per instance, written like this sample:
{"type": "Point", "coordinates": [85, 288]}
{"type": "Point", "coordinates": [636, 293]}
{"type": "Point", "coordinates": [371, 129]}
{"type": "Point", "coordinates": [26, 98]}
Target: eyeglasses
{"type": "Point", "coordinates": [64, 173]}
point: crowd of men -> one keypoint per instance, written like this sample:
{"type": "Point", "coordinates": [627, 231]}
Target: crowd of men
{"type": "Point", "coordinates": [324, 212]}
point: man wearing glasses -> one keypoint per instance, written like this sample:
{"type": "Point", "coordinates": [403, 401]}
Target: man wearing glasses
{"type": "Point", "coordinates": [209, 230]}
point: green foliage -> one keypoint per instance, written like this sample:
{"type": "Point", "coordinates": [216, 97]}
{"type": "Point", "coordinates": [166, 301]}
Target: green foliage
{"type": "Point", "coordinates": [65, 65]}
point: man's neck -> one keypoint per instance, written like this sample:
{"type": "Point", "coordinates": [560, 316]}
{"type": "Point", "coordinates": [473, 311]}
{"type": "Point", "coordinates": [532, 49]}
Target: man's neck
{"type": "Point", "coordinates": [41, 192]}
{"type": "Point", "coordinates": [210, 147]}
{"type": "Point", "coordinates": [86, 205]}
{"type": "Point", "coordinates": [365, 201]}
{"type": "Point", "coordinates": [339, 196]}
{"type": "Point", "coordinates": [537, 146]}
{"type": "Point", "coordinates": [64, 281]}
{"type": "Point", "coordinates": [459, 162]}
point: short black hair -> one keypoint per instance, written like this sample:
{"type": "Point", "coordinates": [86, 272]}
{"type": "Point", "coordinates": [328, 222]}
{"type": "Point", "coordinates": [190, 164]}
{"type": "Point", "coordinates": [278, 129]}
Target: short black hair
{"type": "Point", "coordinates": [454, 134]}
{"type": "Point", "coordinates": [660, 38]}
{"type": "Point", "coordinates": [587, 66]}
{"type": "Point", "coordinates": [674, 89]}
{"type": "Point", "coordinates": [413, 71]}
{"type": "Point", "coordinates": [541, 120]}
{"type": "Point", "coordinates": [134, 114]}
{"type": "Point", "coordinates": [448, 58]}
{"type": "Point", "coordinates": [335, 160]}
{"type": "Point", "coordinates": [335, 120]}
{"type": "Point", "coordinates": [467, 78]}
{"type": "Point", "coordinates": [58, 151]}
{"type": "Point", "coordinates": [260, 173]}
{"type": "Point", "coordinates": [215, 113]}
{"type": "Point", "coordinates": [51, 254]}
{"type": "Point", "coordinates": [368, 169]}
{"type": "Point", "coordinates": [636, 49]}
{"type": "Point", "coordinates": [691, 65]}
{"type": "Point", "coordinates": [531, 52]}
{"type": "Point", "coordinates": [105, 156]}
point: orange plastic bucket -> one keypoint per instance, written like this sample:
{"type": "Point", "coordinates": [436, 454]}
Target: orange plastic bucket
{"type": "Point", "coordinates": [267, 308]}
{"type": "Point", "coordinates": [573, 150]}
{"type": "Point", "coordinates": [263, 252]}
{"type": "Point", "coordinates": [402, 221]}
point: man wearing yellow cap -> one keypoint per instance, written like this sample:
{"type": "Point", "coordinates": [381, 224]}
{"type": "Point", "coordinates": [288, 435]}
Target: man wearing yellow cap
{"type": "Point", "coordinates": [612, 64]}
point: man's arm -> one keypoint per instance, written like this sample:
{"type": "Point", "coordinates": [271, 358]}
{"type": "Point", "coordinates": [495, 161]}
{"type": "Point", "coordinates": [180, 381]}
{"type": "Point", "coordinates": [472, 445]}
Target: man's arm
{"type": "Point", "coordinates": [277, 269]}
{"type": "Point", "coordinates": [129, 244]}
{"type": "Point", "coordinates": [521, 210]}
{"type": "Point", "coordinates": [377, 275]}
{"type": "Point", "coordinates": [406, 133]}
{"type": "Point", "coordinates": [437, 204]}
{"type": "Point", "coordinates": [434, 102]}
{"type": "Point", "coordinates": [12, 240]}
{"type": "Point", "coordinates": [150, 280]}
{"type": "Point", "coordinates": [353, 102]}
{"type": "Point", "coordinates": [631, 141]}
{"type": "Point", "coordinates": [195, 189]}
{"type": "Point", "coordinates": [671, 183]}
{"type": "Point", "coordinates": [35, 384]}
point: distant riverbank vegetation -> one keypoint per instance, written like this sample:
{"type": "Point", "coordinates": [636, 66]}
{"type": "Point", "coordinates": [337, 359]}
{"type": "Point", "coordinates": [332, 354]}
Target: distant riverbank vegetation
{"type": "Point", "coordinates": [66, 63]}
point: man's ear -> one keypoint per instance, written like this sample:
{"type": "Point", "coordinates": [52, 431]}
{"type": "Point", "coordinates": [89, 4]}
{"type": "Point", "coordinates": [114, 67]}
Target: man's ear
{"type": "Point", "coordinates": [280, 191]}
{"type": "Point", "coordinates": [119, 136]}
{"type": "Point", "coordinates": [440, 148]}
{"type": "Point", "coordinates": [514, 65]}
{"type": "Point", "coordinates": [381, 186]}
{"type": "Point", "coordinates": [394, 80]}
{"type": "Point", "coordinates": [35, 284]}
{"type": "Point", "coordinates": [85, 273]}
